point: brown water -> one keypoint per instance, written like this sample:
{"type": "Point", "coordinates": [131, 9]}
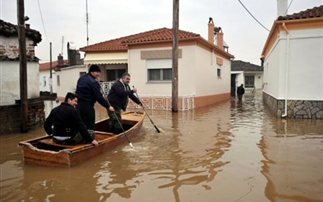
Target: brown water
{"type": "Point", "coordinates": [227, 152]}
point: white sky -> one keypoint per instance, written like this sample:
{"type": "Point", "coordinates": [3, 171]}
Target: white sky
{"type": "Point", "coordinates": [109, 19]}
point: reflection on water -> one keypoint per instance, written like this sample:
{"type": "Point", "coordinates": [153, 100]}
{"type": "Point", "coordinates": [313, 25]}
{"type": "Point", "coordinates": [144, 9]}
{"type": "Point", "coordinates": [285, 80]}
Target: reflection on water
{"type": "Point", "coordinates": [234, 151]}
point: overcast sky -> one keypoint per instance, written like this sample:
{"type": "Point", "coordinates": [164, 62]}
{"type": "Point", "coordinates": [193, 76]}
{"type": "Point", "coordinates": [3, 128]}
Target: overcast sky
{"type": "Point", "coordinates": [109, 19]}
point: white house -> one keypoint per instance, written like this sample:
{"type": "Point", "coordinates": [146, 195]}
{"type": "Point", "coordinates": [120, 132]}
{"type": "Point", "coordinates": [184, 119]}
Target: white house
{"type": "Point", "coordinates": [293, 65]}
{"type": "Point", "coordinates": [204, 68]}
{"type": "Point", "coordinates": [248, 74]}
{"type": "Point", "coordinates": [65, 74]}
{"type": "Point", "coordinates": [9, 63]}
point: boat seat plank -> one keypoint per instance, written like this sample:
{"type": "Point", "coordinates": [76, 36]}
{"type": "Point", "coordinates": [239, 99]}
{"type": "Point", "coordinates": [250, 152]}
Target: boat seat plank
{"type": "Point", "coordinates": [49, 141]}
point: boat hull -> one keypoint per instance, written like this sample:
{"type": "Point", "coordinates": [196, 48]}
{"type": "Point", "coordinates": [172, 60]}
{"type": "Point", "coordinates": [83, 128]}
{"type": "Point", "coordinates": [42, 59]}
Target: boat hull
{"type": "Point", "coordinates": [42, 151]}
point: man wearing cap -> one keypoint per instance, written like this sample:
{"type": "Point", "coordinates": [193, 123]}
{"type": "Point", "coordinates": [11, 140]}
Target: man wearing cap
{"type": "Point", "coordinates": [88, 91]}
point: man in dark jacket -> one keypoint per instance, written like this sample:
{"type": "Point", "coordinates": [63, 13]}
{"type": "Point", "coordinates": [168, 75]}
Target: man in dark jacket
{"type": "Point", "coordinates": [65, 125]}
{"type": "Point", "coordinates": [88, 91]}
{"type": "Point", "coordinates": [118, 98]}
{"type": "Point", "coordinates": [240, 91]}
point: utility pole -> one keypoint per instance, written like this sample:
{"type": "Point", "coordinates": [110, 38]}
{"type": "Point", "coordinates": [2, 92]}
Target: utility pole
{"type": "Point", "coordinates": [175, 56]}
{"type": "Point", "coordinates": [50, 69]}
{"type": "Point", "coordinates": [87, 25]}
{"type": "Point", "coordinates": [22, 66]}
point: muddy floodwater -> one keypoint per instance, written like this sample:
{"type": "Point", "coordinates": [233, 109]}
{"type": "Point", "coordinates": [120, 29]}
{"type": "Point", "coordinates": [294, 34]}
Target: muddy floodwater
{"type": "Point", "coordinates": [233, 151]}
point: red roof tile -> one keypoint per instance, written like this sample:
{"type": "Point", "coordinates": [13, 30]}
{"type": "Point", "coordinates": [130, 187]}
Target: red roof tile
{"type": "Point", "coordinates": [315, 12]}
{"type": "Point", "coordinates": [153, 36]}
{"type": "Point", "coordinates": [46, 66]}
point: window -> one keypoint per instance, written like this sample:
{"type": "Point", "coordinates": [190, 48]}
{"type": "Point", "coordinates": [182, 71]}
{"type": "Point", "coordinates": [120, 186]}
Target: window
{"type": "Point", "coordinates": [114, 74]}
{"type": "Point", "coordinates": [58, 80]}
{"type": "Point", "coordinates": [249, 81]}
{"type": "Point", "coordinates": [160, 74]}
{"type": "Point", "coordinates": [218, 72]}
{"type": "Point", "coordinates": [44, 81]}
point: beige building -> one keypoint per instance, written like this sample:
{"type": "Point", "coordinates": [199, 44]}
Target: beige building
{"type": "Point", "coordinates": [204, 68]}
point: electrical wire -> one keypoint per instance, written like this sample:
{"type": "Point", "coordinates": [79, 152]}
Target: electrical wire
{"type": "Point", "coordinates": [253, 16]}
{"type": "Point", "coordinates": [42, 20]}
{"type": "Point", "coordinates": [288, 6]}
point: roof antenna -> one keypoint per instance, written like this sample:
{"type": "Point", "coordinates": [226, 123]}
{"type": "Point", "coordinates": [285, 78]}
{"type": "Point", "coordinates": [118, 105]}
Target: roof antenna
{"type": "Point", "coordinates": [87, 25]}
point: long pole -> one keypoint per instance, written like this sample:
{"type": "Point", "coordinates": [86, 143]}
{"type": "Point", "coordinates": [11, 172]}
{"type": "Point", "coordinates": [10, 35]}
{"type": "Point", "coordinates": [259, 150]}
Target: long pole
{"type": "Point", "coordinates": [22, 66]}
{"type": "Point", "coordinates": [87, 25]}
{"type": "Point", "coordinates": [50, 69]}
{"type": "Point", "coordinates": [175, 56]}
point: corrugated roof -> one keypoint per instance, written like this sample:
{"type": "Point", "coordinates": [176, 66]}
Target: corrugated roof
{"type": "Point", "coordinates": [315, 12]}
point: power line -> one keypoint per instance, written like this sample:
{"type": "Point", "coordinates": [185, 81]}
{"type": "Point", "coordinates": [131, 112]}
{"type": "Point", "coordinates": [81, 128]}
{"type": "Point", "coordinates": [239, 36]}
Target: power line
{"type": "Point", "coordinates": [288, 6]}
{"type": "Point", "coordinates": [253, 16]}
{"type": "Point", "coordinates": [42, 20]}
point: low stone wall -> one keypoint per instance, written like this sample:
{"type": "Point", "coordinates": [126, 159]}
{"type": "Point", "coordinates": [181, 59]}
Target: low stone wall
{"type": "Point", "coordinates": [300, 109]}
{"type": "Point", "coordinates": [10, 116]}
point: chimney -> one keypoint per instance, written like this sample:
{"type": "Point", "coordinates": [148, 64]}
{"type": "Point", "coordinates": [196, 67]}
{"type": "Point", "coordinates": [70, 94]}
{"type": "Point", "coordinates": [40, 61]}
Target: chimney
{"type": "Point", "coordinates": [282, 7]}
{"type": "Point", "coordinates": [219, 39]}
{"type": "Point", "coordinates": [211, 31]}
{"type": "Point", "coordinates": [60, 60]}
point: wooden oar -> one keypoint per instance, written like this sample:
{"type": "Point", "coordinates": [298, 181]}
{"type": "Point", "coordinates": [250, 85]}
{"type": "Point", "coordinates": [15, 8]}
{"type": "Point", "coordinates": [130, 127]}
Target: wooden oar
{"type": "Point", "coordinates": [125, 134]}
{"type": "Point", "coordinates": [151, 121]}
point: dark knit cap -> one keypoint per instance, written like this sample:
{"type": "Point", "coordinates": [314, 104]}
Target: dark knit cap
{"type": "Point", "coordinates": [94, 68]}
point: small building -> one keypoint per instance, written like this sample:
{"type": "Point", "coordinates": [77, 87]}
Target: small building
{"type": "Point", "coordinates": [65, 73]}
{"type": "Point", "coordinates": [203, 66]}
{"type": "Point", "coordinates": [293, 65]}
{"type": "Point", "coordinates": [248, 74]}
{"type": "Point", "coordinates": [10, 79]}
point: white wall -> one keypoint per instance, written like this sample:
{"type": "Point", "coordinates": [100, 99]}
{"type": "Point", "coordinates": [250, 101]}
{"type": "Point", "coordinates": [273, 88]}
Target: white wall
{"type": "Point", "coordinates": [207, 81]}
{"type": "Point", "coordinates": [44, 81]}
{"type": "Point", "coordinates": [258, 81]}
{"type": "Point", "coordinates": [68, 79]}
{"type": "Point", "coordinates": [304, 66]}
{"type": "Point", "coordinates": [10, 81]}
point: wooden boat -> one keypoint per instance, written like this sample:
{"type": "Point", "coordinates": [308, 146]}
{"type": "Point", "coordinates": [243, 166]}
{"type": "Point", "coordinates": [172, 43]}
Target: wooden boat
{"type": "Point", "coordinates": [43, 151]}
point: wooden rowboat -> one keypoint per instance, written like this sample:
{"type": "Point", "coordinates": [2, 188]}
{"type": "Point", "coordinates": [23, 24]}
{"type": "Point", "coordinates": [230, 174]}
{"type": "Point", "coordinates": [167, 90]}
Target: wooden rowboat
{"type": "Point", "coordinates": [43, 151]}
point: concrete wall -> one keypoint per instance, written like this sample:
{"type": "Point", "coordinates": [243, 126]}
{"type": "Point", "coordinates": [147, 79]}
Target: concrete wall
{"type": "Point", "coordinates": [10, 81]}
{"type": "Point", "coordinates": [10, 119]}
{"type": "Point", "coordinates": [9, 47]}
{"type": "Point", "coordinates": [291, 72]}
{"type": "Point", "coordinates": [68, 79]}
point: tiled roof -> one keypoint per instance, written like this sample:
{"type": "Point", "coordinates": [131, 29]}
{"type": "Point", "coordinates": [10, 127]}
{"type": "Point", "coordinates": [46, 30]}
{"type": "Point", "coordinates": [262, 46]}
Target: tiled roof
{"type": "Point", "coordinates": [153, 36]}
{"type": "Point", "coordinates": [7, 29]}
{"type": "Point", "coordinates": [46, 66]}
{"type": "Point", "coordinates": [238, 65]}
{"type": "Point", "coordinates": [315, 12]}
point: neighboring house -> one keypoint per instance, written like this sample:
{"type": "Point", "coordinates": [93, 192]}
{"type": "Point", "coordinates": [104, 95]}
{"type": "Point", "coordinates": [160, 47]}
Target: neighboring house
{"type": "Point", "coordinates": [204, 68]}
{"type": "Point", "coordinates": [10, 79]}
{"type": "Point", "coordinates": [246, 73]}
{"type": "Point", "coordinates": [9, 63]}
{"type": "Point", "coordinates": [293, 65]}
{"type": "Point", "coordinates": [65, 73]}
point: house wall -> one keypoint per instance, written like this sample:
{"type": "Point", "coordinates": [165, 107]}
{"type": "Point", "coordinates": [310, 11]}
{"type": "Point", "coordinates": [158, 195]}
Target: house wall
{"type": "Point", "coordinates": [10, 81]}
{"type": "Point", "coordinates": [258, 81]}
{"type": "Point", "coordinates": [44, 81]}
{"type": "Point", "coordinates": [198, 82]}
{"type": "Point", "coordinates": [68, 79]}
{"type": "Point", "coordinates": [294, 71]}
{"type": "Point", "coordinates": [9, 46]}
{"type": "Point", "coordinates": [304, 67]}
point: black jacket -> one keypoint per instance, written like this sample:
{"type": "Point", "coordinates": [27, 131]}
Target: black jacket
{"type": "Point", "coordinates": [89, 90]}
{"type": "Point", "coordinates": [118, 95]}
{"type": "Point", "coordinates": [67, 122]}
{"type": "Point", "coordinates": [240, 90]}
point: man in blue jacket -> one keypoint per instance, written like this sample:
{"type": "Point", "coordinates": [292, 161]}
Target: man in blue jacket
{"type": "Point", "coordinates": [118, 97]}
{"type": "Point", "coordinates": [88, 91]}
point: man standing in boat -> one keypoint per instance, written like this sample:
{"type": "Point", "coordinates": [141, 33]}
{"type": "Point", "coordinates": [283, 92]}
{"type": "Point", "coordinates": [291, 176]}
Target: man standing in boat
{"type": "Point", "coordinates": [65, 125]}
{"type": "Point", "coordinates": [88, 91]}
{"type": "Point", "coordinates": [118, 98]}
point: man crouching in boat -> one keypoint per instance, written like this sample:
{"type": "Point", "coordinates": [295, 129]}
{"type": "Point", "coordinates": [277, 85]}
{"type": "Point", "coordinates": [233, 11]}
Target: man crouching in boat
{"type": "Point", "coordinates": [64, 124]}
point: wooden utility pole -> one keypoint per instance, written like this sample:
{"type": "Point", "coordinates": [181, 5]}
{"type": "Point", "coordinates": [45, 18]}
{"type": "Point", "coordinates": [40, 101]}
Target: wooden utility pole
{"type": "Point", "coordinates": [23, 66]}
{"type": "Point", "coordinates": [50, 69]}
{"type": "Point", "coordinates": [175, 56]}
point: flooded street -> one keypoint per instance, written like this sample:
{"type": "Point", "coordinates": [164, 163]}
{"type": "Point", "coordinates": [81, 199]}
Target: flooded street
{"type": "Point", "coordinates": [227, 152]}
